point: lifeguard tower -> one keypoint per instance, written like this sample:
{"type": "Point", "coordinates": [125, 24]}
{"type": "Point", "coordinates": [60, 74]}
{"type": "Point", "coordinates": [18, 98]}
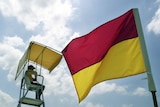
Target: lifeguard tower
{"type": "Point", "coordinates": [39, 56]}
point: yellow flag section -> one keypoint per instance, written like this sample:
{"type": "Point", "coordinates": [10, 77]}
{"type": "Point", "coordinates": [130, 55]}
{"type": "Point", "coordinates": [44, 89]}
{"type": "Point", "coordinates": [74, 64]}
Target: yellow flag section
{"type": "Point", "coordinates": [40, 54]}
{"type": "Point", "coordinates": [122, 60]}
{"type": "Point", "coordinates": [110, 51]}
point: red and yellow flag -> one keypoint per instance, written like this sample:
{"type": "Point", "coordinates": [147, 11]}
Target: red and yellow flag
{"type": "Point", "coordinates": [110, 51]}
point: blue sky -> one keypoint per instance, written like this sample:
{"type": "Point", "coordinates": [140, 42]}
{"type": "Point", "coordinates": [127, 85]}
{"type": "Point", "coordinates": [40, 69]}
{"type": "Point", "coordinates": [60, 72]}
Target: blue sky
{"type": "Point", "coordinates": [56, 22]}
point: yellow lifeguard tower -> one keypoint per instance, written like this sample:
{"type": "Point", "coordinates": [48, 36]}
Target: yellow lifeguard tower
{"type": "Point", "coordinates": [40, 56]}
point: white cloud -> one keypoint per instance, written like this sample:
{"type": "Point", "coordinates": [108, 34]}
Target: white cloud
{"type": "Point", "coordinates": [49, 18]}
{"type": "Point", "coordinates": [140, 92]}
{"type": "Point", "coordinates": [89, 104]}
{"type": "Point", "coordinates": [14, 41]}
{"type": "Point", "coordinates": [9, 54]}
{"type": "Point", "coordinates": [59, 82]}
{"type": "Point", "coordinates": [32, 13]}
{"type": "Point", "coordinates": [105, 87]}
{"type": "Point", "coordinates": [155, 22]}
{"type": "Point", "coordinates": [6, 100]}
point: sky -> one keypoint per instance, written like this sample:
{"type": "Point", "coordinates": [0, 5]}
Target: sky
{"type": "Point", "coordinates": [55, 23]}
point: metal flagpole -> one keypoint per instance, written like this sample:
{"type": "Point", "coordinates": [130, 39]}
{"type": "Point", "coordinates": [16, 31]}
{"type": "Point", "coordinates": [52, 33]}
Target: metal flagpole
{"type": "Point", "coordinates": [151, 84]}
{"type": "Point", "coordinates": [154, 98]}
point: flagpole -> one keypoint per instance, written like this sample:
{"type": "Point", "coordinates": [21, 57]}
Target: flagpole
{"type": "Point", "coordinates": [151, 84]}
{"type": "Point", "coordinates": [154, 98]}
